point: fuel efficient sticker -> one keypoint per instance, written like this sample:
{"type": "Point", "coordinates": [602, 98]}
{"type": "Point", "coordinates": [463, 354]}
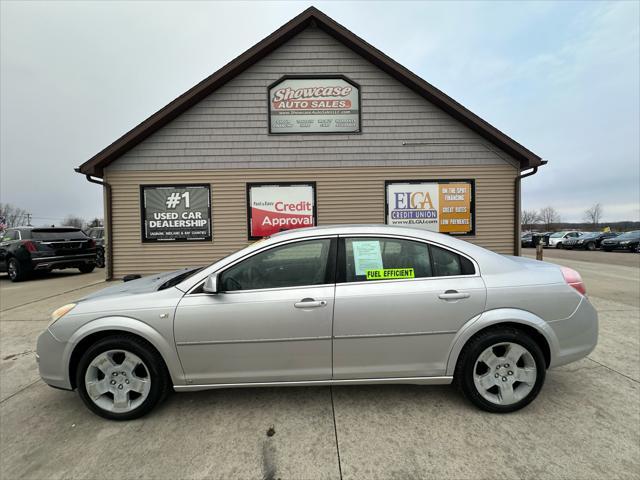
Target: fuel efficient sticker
{"type": "Point", "coordinates": [390, 273]}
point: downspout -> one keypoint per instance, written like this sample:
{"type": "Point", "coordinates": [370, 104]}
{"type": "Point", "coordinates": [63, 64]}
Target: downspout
{"type": "Point", "coordinates": [107, 221]}
{"type": "Point", "coordinates": [516, 213]}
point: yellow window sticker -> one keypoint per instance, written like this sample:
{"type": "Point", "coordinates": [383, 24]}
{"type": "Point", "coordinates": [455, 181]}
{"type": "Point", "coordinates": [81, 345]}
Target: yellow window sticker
{"type": "Point", "coordinates": [390, 273]}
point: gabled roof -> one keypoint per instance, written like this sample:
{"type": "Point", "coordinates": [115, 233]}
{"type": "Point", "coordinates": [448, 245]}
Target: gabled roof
{"type": "Point", "coordinates": [95, 165]}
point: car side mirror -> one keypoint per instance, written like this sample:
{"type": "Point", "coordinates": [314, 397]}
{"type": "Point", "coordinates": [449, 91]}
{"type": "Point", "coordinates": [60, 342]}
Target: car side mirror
{"type": "Point", "coordinates": [211, 284]}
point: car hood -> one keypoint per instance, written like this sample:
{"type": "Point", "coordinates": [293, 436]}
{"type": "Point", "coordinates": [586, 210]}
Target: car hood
{"type": "Point", "coordinates": [147, 284]}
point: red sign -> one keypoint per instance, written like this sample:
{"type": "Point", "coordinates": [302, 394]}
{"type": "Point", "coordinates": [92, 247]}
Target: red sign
{"type": "Point", "coordinates": [275, 208]}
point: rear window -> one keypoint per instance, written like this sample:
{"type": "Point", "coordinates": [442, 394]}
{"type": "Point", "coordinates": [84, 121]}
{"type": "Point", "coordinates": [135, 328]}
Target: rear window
{"type": "Point", "coordinates": [50, 234]}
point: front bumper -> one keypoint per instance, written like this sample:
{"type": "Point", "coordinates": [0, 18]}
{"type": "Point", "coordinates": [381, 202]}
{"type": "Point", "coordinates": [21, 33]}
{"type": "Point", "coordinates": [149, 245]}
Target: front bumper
{"type": "Point", "coordinates": [50, 358]}
{"type": "Point", "coordinates": [577, 335]}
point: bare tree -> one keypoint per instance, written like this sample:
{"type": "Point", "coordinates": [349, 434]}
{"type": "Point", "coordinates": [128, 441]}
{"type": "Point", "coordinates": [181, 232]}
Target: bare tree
{"type": "Point", "coordinates": [96, 222]}
{"type": "Point", "coordinates": [593, 214]}
{"type": "Point", "coordinates": [73, 221]}
{"type": "Point", "coordinates": [528, 218]}
{"type": "Point", "coordinates": [549, 216]}
{"type": "Point", "coordinates": [13, 216]}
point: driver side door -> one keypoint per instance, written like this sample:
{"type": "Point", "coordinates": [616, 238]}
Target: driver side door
{"type": "Point", "coordinates": [271, 320]}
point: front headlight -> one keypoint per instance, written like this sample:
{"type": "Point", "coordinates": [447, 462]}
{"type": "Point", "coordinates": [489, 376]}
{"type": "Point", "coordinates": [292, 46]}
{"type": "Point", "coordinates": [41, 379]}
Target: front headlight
{"type": "Point", "coordinates": [626, 242]}
{"type": "Point", "coordinates": [61, 312]}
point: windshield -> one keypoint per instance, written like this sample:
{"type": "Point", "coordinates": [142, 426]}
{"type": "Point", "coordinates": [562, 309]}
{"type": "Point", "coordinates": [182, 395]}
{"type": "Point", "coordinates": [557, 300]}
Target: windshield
{"type": "Point", "coordinates": [629, 235]}
{"type": "Point", "coordinates": [557, 234]}
{"type": "Point", "coordinates": [58, 234]}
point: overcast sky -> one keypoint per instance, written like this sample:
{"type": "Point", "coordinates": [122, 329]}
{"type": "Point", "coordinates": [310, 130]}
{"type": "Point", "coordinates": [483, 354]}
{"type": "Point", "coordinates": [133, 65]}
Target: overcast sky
{"type": "Point", "coordinates": [563, 79]}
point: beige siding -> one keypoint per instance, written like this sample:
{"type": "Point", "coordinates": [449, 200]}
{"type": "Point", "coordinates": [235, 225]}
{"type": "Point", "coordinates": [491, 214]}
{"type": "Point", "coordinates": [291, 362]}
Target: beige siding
{"type": "Point", "coordinates": [348, 195]}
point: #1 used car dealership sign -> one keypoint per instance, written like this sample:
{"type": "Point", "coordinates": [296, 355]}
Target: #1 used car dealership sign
{"type": "Point", "coordinates": [175, 212]}
{"type": "Point", "coordinates": [274, 208]}
{"type": "Point", "coordinates": [445, 206]}
{"type": "Point", "coordinates": [314, 105]}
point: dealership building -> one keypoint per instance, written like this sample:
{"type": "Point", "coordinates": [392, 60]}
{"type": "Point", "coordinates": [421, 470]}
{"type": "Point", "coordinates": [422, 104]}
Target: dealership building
{"type": "Point", "coordinates": [311, 126]}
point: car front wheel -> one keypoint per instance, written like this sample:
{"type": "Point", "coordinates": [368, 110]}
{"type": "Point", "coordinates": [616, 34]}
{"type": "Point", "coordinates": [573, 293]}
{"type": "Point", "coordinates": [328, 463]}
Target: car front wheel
{"type": "Point", "coordinates": [100, 258]}
{"type": "Point", "coordinates": [121, 378]}
{"type": "Point", "coordinates": [591, 246]}
{"type": "Point", "coordinates": [501, 370]}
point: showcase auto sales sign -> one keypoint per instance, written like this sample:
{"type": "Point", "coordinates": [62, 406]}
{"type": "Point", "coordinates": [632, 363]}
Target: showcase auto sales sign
{"type": "Point", "coordinates": [314, 105]}
{"type": "Point", "coordinates": [274, 208]}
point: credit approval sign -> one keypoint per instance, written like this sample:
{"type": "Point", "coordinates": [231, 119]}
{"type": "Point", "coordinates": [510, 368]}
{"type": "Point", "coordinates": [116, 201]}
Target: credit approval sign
{"type": "Point", "coordinates": [445, 206]}
{"type": "Point", "coordinates": [273, 208]}
{"type": "Point", "coordinates": [314, 105]}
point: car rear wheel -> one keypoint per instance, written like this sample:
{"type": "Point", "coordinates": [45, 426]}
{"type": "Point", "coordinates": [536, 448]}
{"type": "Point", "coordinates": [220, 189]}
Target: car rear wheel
{"type": "Point", "coordinates": [591, 246]}
{"type": "Point", "coordinates": [501, 370]}
{"type": "Point", "coordinates": [87, 268]}
{"type": "Point", "coordinates": [121, 378]}
{"type": "Point", "coordinates": [16, 271]}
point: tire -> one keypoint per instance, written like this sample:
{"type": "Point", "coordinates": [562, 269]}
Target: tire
{"type": "Point", "coordinates": [17, 271]}
{"type": "Point", "coordinates": [100, 258]}
{"type": "Point", "coordinates": [559, 246]}
{"type": "Point", "coordinates": [471, 371]}
{"type": "Point", "coordinates": [143, 386]}
{"type": "Point", "coordinates": [87, 267]}
{"type": "Point", "coordinates": [591, 246]}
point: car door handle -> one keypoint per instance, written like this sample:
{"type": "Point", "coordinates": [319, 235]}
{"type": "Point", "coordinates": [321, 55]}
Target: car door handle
{"type": "Point", "coordinates": [310, 303]}
{"type": "Point", "coordinates": [453, 295]}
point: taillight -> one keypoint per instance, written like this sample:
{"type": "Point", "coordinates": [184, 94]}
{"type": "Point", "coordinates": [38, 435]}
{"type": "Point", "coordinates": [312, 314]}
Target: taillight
{"type": "Point", "coordinates": [30, 246]}
{"type": "Point", "coordinates": [574, 279]}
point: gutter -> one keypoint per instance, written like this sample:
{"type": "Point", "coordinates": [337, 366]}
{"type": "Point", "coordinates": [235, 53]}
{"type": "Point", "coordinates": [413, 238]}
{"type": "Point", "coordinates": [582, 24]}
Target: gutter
{"type": "Point", "coordinates": [107, 223]}
{"type": "Point", "coordinates": [517, 206]}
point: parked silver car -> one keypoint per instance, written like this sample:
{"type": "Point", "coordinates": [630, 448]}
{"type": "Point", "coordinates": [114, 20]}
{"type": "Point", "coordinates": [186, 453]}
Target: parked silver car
{"type": "Point", "coordinates": [325, 306]}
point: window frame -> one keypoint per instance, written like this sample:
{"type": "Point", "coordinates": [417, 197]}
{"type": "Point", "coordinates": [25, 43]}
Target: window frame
{"type": "Point", "coordinates": [332, 263]}
{"type": "Point", "coordinates": [341, 267]}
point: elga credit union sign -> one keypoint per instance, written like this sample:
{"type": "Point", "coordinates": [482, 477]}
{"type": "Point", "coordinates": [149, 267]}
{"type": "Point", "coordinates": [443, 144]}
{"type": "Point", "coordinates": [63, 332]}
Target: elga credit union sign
{"type": "Point", "coordinates": [439, 206]}
{"type": "Point", "coordinates": [175, 212]}
{"type": "Point", "coordinates": [274, 208]}
{"type": "Point", "coordinates": [314, 105]}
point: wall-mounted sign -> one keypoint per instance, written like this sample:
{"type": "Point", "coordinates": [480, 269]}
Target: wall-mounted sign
{"type": "Point", "coordinates": [175, 212]}
{"type": "Point", "coordinates": [274, 208]}
{"type": "Point", "coordinates": [314, 105]}
{"type": "Point", "coordinates": [445, 206]}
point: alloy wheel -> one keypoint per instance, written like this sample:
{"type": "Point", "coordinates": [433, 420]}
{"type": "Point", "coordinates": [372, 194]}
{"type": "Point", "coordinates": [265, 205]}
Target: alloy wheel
{"type": "Point", "coordinates": [12, 270]}
{"type": "Point", "coordinates": [505, 373]}
{"type": "Point", "coordinates": [117, 381]}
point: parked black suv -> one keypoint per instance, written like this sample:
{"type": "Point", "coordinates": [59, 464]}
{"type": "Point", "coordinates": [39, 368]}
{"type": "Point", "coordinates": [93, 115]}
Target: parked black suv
{"type": "Point", "coordinates": [24, 250]}
{"type": "Point", "coordinates": [97, 233]}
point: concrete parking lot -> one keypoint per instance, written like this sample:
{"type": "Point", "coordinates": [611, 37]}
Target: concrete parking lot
{"type": "Point", "coordinates": [585, 423]}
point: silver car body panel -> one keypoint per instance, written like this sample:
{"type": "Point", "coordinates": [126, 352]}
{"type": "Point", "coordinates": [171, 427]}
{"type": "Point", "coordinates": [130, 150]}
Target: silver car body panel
{"type": "Point", "coordinates": [392, 331]}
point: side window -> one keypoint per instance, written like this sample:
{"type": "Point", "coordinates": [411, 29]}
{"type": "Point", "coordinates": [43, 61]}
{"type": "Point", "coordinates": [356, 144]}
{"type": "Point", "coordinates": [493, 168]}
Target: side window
{"type": "Point", "coordinates": [447, 263]}
{"type": "Point", "coordinates": [385, 259]}
{"type": "Point", "coordinates": [292, 265]}
{"type": "Point", "coordinates": [10, 235]}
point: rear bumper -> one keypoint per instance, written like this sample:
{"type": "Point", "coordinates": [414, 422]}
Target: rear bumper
{"type": "Point", "coordinates": [49, 355]}
{"type": "Point", "coordinates": [577, 335]}
{"type": "Point", "coordinates": [67, 261]}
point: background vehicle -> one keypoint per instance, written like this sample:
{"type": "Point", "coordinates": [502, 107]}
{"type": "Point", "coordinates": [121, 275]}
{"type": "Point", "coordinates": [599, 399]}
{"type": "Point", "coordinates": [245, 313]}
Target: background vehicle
{"type": "Point", "coordinates": [625, 241]}
{"type": "Point", "coordinates": [97, 233]}
{"type": "Point", "coordinates": [541, 237]}
{"type": "Point", "coordinates": [526, 240]}
{"type": "Point", "coordinates": [321, 306]}
{"type": "Point", "coordinates": [25, 250]}
{"type": "Point", "coordinates": [588, 240]}
{"type": "Point", "coordinates": [557, 239]}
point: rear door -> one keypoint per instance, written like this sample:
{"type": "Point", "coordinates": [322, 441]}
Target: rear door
{"type": "Point", "coordinates": [398, 305]}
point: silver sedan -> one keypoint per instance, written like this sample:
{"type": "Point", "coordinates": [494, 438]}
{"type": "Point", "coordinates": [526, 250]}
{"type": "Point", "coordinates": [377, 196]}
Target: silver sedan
{"type": "Point", "coordinates": [341, 305]}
